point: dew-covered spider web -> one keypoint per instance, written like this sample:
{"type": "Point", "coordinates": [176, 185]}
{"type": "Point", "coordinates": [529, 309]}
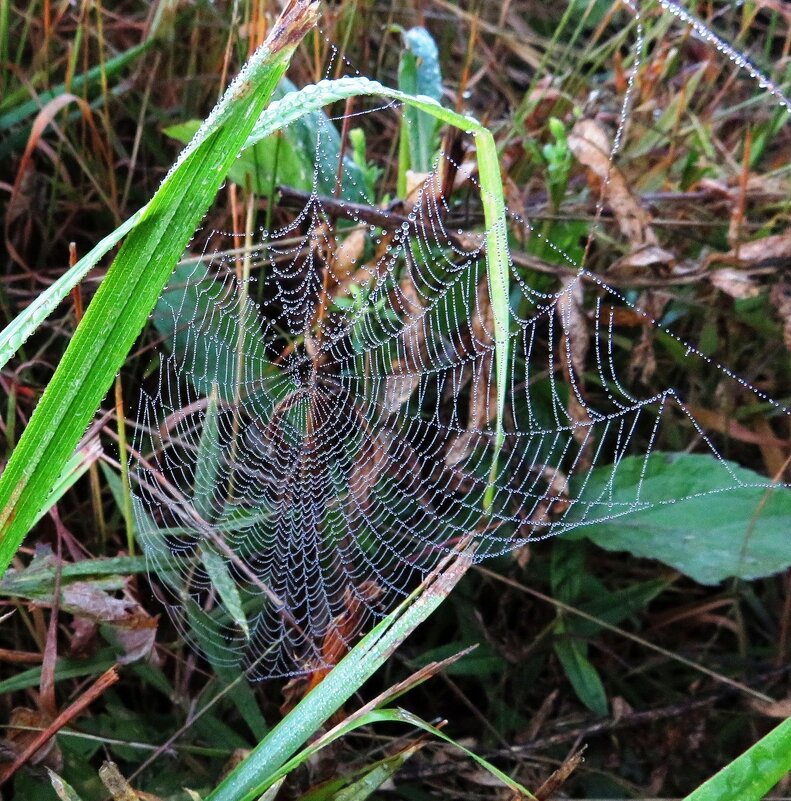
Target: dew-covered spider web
{"type": "Point", "coordinates": [326, 424]}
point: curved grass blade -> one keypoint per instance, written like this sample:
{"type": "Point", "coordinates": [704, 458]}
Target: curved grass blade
{"type": "Point", "coordinates": [498, 261]}
{"type": "Point", "coordinates": [121, 307]}
{"type": "Point", "coordinates": [266, 762]}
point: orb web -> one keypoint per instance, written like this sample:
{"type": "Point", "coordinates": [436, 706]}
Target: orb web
{"type": "Point", "coordinates": [322, 429]}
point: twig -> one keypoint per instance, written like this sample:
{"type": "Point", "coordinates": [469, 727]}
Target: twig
{"type": "Point", "coordinates": [105, 681]}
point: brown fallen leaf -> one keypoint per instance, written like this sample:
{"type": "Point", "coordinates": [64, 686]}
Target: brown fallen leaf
{"type": "Point", "coordinates": [771, 249]}
{"type": "Point", "coordinates": [571, 314]}
{"type": "Point", "coordinates": [775, 709]}
{"type": "Point", "coordinates": [483, 399]}
{"type": "Point", "coordinates": [24, 727]}
{"type": "Point", "coordinates": [405, 376]}
{"type": "Point", "coordinates": [723, 424]}
{"type": "Point", "coordinates": [590, 143]}
{"type": "Point", "coordinates": [780, 296]}
{"type": "Point", "coordinates": [116, 784]}
{"type": "Point", "coordinates": [735, 283]}
{"type": "Point", "coordinates": [635, 263]}
{"type": "Point", "coordinates": [347, 258]}
{"type": "Point", "coordinates": [128, 624]}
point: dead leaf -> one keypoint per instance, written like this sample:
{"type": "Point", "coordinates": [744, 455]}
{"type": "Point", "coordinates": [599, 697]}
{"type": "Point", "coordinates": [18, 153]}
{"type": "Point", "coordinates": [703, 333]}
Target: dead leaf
{"type": "Point", "coordinates": [415, 181]}
{"type": "Point", "coordinates": [368, 467]}
{"type": "Point", "coordinates": [780, 296]}
{"type": "Point", "coordinates": [735, 283]}
{"type": "Point", "coordinates": [129, 625]}
{"type": "Point", "coordinates": [23, 728]}
{"type": "Point", "coordinates": [725, 424]}
{"type": "Point", "coordinates": [405, 373]}
{"type": "Point", "coordinates": [770, 249]}
{"type": "Point", "coordinates": [635, 263]}
{"type": "Point", "coordinates": [116, 784]}
{"type": "Point", "coordinates": [399, 386]}
{"type": "Point", "coordinates": [775, 709]}
{"type": "Point", "coordinates": [642, 360]}
{"type": "Point", "coordinates": [347, 257]}
{"type": "Point", "coordinates": [590, 143]}
{"type": "Point", "coordinates": [571, 314]}
{"type": "Point", "coordinates": [483, 390]}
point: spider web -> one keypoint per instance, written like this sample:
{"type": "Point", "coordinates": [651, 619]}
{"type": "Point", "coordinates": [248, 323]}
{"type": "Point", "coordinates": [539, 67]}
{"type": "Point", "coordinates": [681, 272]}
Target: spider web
{"type": "Point", "coordinates": [323, 426]}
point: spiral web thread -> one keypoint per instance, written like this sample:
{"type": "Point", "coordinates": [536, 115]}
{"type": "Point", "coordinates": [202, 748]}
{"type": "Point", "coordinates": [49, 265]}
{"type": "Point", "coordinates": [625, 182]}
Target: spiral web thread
{"type": "Point", "coordinates": [323, 427]}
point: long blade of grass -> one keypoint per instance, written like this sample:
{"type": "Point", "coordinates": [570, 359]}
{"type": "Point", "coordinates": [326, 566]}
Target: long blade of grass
{"type": "Point", "coordinates": [498, 262]}
{"type": "Point", "coordinates": [261, 767]}
{"type": "Point", "coordinates": [13, 336]}
{"type": "Point", "coordinates": [753, 774]}
{"type": "Point", "coordinates": [277, 116]}
{"type": "Point", "coordinates": [79, 83]}
{"type": "Point", "coordinates": [393, 716]}
{"type": "Point", "coordinates": [120, 308]}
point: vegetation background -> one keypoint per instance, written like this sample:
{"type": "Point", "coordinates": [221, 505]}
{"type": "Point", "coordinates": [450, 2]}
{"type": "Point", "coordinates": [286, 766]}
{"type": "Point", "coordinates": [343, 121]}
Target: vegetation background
{"type": "Point", "coordinates": [659, 678]}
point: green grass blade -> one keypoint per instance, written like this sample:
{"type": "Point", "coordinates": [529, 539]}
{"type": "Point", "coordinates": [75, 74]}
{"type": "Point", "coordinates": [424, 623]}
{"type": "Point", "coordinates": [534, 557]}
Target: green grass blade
{"type": "Point", "coordinates": [264, 763]}
{"type": "Point", "coordinates": [78, 84]}
{"type": "Point", "coordinates": [120, 308]}
{"type": "Point", "coordinates": [498, 260]}
{"type": "Point", "coordinates": [13, 336]}
{"type": "Point", "coordinates": [753, 774]}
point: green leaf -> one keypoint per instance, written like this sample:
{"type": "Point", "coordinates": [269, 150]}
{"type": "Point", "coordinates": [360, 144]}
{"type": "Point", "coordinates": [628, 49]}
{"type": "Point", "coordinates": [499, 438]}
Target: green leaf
{"type": "Point", "coordinates": [396, 716]}
{"type": "Point", "coordinates": [419, 74]}
{"type": "Point", "coordinates": [372, 776]}
{"type": "Point", "coordinates": [286, 155]}
{"type": "Point", "coordinates": [38, 578]}
{"type": "Point", "coordinates": [64, 669]}
{"type": "Point", "coordinates": [581, 673]}
{"type": "Point", "coordinates": [727, 523]}
{"type": "Point", "coordinates": [274, 159]}
{"type": "Point", "coordinates": [78, 85]}
{"type": "Point", "coordinates": [126, 296]}
{"type": "Point", "coordinates": [207, 462]}
{"type": "Point", "coordinates": [375, 777]}
{"type": "Point", "coordinates": [753, 774]}
{"type": "Point", "coordinates": [63, 789]}
{"type": "Point", "coordinates": [223, 582]}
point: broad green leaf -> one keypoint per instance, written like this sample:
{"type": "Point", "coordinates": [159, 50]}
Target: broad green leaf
{"type": "Point", "coordinates": [727, 523]}
{"type": "Point", "coordinates": [120, 308]}
{"type": "Point", "coordinates": [274, 160]}
{"type": "Point", "coordinates": [581, 673]}
{"type": "Point", "coordinates": [419, 74]}
{"type": "Point", "coordinates": [753, 774]}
